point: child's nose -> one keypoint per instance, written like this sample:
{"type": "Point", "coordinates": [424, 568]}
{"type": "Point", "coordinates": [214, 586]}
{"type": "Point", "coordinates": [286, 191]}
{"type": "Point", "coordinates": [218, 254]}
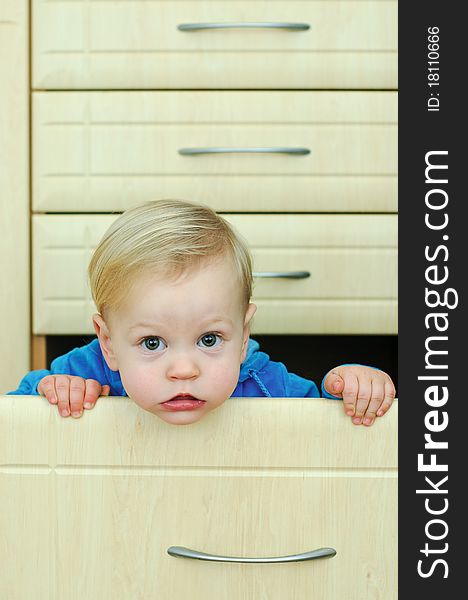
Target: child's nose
{"type": "Point", "coordinates": [182, 367]}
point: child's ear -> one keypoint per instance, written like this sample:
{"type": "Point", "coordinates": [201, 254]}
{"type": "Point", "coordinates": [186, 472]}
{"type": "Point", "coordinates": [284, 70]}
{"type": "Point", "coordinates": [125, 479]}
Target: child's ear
{"type": "Point", "coordinates": [251, 310]}
{"type": "Point", "coordinates": [103, 333]}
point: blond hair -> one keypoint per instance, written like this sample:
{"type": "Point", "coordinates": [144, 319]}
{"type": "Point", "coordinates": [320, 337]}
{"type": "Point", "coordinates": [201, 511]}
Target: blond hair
{"type": "Point", "coordinates": [167, 237]}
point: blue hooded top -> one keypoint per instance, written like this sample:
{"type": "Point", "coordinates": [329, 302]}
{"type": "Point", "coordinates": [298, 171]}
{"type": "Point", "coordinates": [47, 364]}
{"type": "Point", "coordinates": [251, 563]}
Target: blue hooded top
{"type": "Point", "coordinates": [259, 376]}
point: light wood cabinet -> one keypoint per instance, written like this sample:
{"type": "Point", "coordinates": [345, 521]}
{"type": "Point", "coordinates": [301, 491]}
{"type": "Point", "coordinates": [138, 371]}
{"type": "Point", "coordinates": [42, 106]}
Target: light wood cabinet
{"type": "Point", "coordinates": [14, 193]}
{"type": "Point", "coordinates": [109, 151]}
{"type": "Point", "coordinates": [351, 259]}
{"type": "Point", "coordinates": [138, 45]}
{"type": "Point", "coordinates": [280, 107]}
{"type": "Point", "coordinates": [89, 507]}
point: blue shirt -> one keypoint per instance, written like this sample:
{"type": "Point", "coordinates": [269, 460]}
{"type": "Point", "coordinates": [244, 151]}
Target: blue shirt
{"type": "Point", "coordinates": [259, 376]}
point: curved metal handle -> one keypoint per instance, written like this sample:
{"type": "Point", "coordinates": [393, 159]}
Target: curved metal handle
{"type": "Point", "coordinates": [283, 274]}
{"type": "Point", "coordinates": [218, 150]}
{"type": "Point", "coordinates": [181, 552]}
{"type": "Point", "coordinates": [246, 25]}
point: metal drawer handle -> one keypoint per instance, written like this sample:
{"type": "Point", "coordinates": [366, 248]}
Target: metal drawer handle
{"type": "Point", "coordinates": [246, 25]}
{"type": "Point", "coordinates": [181, 552]}
{"type": "Point", "coordinates": [192, 151]}
{"type": "Point", "coordinates": [283, 274]}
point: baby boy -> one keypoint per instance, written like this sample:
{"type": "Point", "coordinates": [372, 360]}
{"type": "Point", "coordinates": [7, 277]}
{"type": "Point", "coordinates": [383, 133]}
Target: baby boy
{"type": "Point", "coordinates": [172, 283]}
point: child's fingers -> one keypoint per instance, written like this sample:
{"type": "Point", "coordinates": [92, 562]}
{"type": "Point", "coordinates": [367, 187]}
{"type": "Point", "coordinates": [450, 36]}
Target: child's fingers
{"type": "Point", "coordinates": [349, 393]}
{"type": "Point", "coordinates": [46, 388]}
{"type": "Point", "coordinates": [377, 396]}
{"type": "Point", "coordinates": [105, 390]}
{"type": "Point", "coordinates": [92, 393]}
{"type": "Point", "coordinates": [363, 399]}
{"type": "Point", "coordinates": [62, 390]}
{"type": "Point", "coordinates": [388, 398]}
{"type": "Point", "coordinates": [77, 392]}
{"type": "Point", "coordinates": [334, 384]}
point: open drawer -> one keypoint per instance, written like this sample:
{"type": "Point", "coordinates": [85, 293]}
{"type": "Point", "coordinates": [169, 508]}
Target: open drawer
{"type": "Point", "coordinates": [90, 507]}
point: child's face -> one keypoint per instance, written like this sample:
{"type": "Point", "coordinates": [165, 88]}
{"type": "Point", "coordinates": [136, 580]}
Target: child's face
{"type": "Point", "coordinates": [187, 336]}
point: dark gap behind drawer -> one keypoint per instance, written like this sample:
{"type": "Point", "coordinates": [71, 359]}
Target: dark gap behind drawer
{"type": "Point", "coordinates": [310, 356]}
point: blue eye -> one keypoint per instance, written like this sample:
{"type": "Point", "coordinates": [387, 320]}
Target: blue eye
{"type": "Point", "coordinates": [153, 343]}
{"type": "Point", "coordinates": [209, 340]}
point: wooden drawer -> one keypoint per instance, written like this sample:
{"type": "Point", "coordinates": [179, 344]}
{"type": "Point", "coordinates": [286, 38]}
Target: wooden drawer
{"type": "Point", "coordinates": [352, 260]}
{"type": "Point", "coordinates": [256, 478]}
{"type": "Point", "coordinates": [137, 45]}
{"type": "Point", "coordinates": [107, 151]}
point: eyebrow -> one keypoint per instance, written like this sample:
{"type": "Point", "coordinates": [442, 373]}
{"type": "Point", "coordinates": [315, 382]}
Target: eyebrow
{"type": "Point", "coordinates": [144, 326]}
{"type": "Point", "coordinates": [215, 319]}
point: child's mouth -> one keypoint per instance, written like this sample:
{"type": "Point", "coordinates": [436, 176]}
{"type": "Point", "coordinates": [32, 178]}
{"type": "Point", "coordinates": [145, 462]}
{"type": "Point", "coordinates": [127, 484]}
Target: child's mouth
{"type": "Point", "coordinates": [182, 402]}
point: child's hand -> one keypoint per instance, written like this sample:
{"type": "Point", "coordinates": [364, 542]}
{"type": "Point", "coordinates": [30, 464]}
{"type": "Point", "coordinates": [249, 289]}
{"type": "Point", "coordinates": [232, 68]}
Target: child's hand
{"type": "Point", "coordinates": [71, 393]}
{"type": "Point", "coordinates": [366, 392]}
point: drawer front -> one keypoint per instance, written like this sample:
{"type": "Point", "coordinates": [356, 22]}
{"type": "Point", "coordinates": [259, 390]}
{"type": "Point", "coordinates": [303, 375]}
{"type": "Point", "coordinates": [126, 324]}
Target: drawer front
{"type": "Point", "coordinates": [107, 151]}
{"type": "Point", "coordinates": [138, 45]}
{"type": "Point", "coordinates": [352, 261]}
{"type": "Point", "coordinates": [117, 489]}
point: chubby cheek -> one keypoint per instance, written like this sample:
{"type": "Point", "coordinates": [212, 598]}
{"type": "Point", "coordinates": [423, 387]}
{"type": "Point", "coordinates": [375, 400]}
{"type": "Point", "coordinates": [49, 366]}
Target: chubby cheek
{"type": "Point", "coordinates": [139, 387]}
{"type": "Point", "coordinates": [222, 383]}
